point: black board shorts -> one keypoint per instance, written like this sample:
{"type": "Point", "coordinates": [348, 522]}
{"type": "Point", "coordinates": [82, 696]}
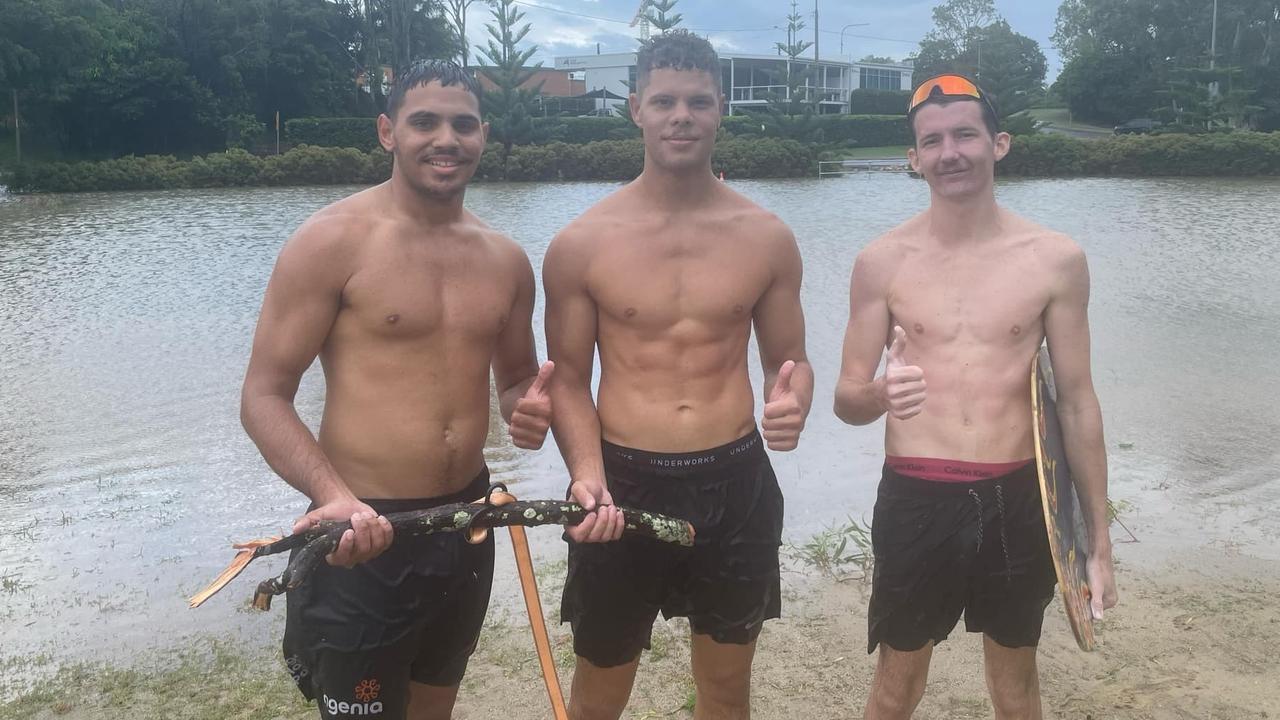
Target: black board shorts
{"type": "Point", "coordinates": [943, 548]}
{"type": "Point", "coordinates": [727, 584]}
{"type": "Point", "coordinates": [354, 638]}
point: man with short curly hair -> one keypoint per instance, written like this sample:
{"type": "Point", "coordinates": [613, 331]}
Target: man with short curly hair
{"type": "Point", "coordinates": [666, 277]}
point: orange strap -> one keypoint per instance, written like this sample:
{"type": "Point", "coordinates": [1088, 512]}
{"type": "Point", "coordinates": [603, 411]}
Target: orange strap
{"type": "Point", "coordinates": [537, 621]}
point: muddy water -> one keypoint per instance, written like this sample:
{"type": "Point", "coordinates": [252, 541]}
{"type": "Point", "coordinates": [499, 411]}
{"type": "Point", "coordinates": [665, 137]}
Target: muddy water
{"type": "Point", "coordinates": [125, 322]}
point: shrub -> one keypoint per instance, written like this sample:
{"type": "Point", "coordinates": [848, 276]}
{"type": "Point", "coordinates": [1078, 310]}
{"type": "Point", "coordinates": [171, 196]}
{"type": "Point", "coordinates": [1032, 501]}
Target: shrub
{"type": "Point", "coordinates": [879, 102]}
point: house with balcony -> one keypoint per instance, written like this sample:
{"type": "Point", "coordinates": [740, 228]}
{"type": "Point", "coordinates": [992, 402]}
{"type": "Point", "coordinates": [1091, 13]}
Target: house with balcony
{"type": "Point", "coordinates": [750, 80]}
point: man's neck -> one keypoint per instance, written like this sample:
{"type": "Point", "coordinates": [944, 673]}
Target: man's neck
{"type": "Point", "coordinates": [428, 210]}
{"type": "Point", "coordinates": [964, 219]}
{"type": "Point", "coordinates": [676, 191]}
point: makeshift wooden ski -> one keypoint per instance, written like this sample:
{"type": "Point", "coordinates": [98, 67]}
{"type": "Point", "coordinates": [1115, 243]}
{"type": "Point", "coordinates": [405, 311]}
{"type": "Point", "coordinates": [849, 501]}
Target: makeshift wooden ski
{"type": "Point", "coordinates": [322, 539]}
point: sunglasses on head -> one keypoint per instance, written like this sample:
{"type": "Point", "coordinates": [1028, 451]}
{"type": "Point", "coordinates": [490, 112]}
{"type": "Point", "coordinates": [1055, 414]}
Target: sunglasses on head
{"type": "Point", "coordinates": [949, 86]}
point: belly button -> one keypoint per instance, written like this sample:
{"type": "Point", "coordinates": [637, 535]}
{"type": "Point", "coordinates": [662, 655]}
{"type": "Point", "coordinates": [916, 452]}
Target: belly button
{"type": "Point", "coordinates": [393, 318]}
{"type": "Point", "coordinates": [1017, 330]}
{"type": "Point", "coordinates": [919, 329]}
{"type": "Point", "coordinates": [630, 312]}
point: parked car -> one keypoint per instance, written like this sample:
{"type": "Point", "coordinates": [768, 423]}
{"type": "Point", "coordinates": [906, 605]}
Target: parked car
{"type": "Point", "coordinates": [1137, 126]}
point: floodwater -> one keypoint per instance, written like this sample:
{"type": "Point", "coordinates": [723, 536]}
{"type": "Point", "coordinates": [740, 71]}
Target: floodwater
{"type": "Point", "coordinates": [126, 319]}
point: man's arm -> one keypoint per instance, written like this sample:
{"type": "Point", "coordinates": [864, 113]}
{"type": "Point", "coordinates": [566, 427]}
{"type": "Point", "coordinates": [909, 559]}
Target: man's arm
{"type": "Point", "coordinates": [1066, 324]}
{"type": "Point", "coordinates": [861, 397]}
{"type": "Point", "coordinates": [522, 394]}
{"type": "Point", "coordinates": [300, 306]}
{"type": "Point", "coordinates": [571, 341]}
{"type": "Point", "coordinates": [779, 326]}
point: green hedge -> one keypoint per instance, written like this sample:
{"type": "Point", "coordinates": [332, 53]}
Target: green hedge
{"type": "Point", "coordinates": [581, 130]}
{"type": "Point", "coordinates": [1238, 153]}
{"type": "Point", "coordinates": [306, 165]}
{"type": "Point", "coordinates": [362, 133]}
{"type": "Point", "coordinates": [359, 133]}
{"type": "Point", "coordinates": [624, 159]}
{"type": "Point", "coordinates": [847, 130]}
{"type": "Point", "coordinates": [879, 102]}
{"type": "Point", "coordinates": [302, 165]}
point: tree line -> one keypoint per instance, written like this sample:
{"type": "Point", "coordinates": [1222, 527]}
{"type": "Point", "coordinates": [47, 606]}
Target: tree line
{"type": "Point", "coordinates": [103, 78]}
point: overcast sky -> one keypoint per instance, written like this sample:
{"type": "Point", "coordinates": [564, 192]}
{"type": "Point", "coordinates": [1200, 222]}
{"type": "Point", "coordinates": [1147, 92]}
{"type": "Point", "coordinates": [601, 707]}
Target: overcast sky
{"type": "Point", "coordinates": [893, 27]}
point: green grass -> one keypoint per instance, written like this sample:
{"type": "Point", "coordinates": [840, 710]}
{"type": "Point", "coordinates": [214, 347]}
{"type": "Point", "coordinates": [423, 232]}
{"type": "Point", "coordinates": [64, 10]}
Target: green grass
{"type": "Point", "coordinates": [840, 552]}
{"type": "Point", "coordinates": [1061, 117]}
{"type": "Point", "coordinates": [212, 680]}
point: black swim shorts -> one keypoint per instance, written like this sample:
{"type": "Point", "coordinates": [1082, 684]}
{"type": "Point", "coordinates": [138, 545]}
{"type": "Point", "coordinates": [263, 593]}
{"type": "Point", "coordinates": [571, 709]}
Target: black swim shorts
{"type": "Point", "coordinates": [727, 584]}
{"type": "Point", "coordinates": [942, 548]}
{"type": "Point", "coordinates": [355, 638]}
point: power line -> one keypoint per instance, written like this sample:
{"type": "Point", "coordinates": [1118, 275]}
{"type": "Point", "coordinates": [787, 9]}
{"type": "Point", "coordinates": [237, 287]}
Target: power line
{"type": "Point", "coordinates": [628, 22]}
{"type": "Point", "coordinates": [706, 30]}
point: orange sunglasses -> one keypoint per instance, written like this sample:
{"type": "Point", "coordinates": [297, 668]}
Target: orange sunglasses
{"type": "Point", "coordinates": [948, 85]}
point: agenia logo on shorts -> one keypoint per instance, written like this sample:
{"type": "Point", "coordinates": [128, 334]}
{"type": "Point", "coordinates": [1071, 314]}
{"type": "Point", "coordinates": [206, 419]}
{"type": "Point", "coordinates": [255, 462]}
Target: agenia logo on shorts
{"type": "Point", "coordinates": [366, 693]}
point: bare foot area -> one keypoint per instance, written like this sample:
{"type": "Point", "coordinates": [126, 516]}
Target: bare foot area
{"type": "Point", "coordinates": [1191, 640]}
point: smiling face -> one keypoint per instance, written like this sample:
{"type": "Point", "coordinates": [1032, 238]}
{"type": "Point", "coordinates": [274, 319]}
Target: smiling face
{"type": "Point", "coordinates": [678, 112]}
{"type": "Point", "coordinates": [436, 137]}
{"type": "Point", "coordinates": [955, 150]}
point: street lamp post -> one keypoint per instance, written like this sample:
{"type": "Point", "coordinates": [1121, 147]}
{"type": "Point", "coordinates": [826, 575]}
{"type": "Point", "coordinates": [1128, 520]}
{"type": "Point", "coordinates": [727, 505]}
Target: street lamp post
{"type": "Point", "coordinates": [846, 27]}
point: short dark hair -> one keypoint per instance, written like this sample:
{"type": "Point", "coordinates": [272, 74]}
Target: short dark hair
{"type": "Point", "coordinates": [422, 72]}
{"type": "Point", "coordinates": [678, 50]}
{"type": "Point", "coordinates": [989, 117]}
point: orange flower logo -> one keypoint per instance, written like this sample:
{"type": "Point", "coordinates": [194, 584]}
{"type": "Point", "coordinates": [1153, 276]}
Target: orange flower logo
{"type": "Point", "coordinates": [367, 690]}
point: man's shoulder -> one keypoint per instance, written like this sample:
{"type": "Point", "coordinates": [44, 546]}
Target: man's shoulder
{"type": "Point", "coordinates": [600, 220]}
{"type": "Point", "coordinates": [894, 243]}
{"type": "Point", "coordinates": [753, 219]}
{"type": "Point", "coordinates": [1054, 246]}
{"type": "Point", "coordinates": [338, 223]}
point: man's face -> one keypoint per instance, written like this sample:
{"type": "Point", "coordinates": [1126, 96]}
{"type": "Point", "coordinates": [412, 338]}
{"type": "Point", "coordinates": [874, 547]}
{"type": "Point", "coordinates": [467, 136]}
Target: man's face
{"type": "Point", "coordinates": [678, 111]}
{"type": "Point", "coordinates": [954, 150]}
{"type": "Point", "coordinates": [437, 138]}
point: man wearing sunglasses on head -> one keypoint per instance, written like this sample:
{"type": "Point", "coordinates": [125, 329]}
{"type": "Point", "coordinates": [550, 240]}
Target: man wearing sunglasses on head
{"type": "Point", "coordinates": [962, 295]}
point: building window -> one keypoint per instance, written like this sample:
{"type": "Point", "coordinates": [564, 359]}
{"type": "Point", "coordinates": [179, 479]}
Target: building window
{"type": "Point", "coordinates": [878, 79]}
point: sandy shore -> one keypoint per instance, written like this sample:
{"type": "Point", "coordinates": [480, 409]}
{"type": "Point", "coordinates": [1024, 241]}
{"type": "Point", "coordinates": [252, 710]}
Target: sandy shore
{"type": "Point", "coordinates": [1192, 638]}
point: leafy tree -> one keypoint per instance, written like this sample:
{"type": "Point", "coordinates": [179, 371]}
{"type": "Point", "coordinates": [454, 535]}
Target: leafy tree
{"type": "Point", "coordinates": [1158, 44]}
{"type": "Point", "coordinates": [458, 19]}
{"type": "Point", "coordinates": [970, 38]}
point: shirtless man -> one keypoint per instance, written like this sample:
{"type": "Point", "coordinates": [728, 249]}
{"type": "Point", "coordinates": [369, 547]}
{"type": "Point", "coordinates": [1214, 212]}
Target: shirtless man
{"type": "Point", "coordinates": [666, 277]}
{"type": "Point", "coordinates": [962, 295]}
{"type": "Point", "coordinates": [408, 299]}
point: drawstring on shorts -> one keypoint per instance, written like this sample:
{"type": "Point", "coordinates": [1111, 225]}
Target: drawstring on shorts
{"type": "Point", "coordinates": [1004, 538]}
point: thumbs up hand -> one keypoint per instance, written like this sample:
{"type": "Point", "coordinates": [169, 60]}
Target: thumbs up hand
{"type": "Point", "coordinates": [903, 386]}
{"type": "Point", "coordinates": [532, 415]}
{"type": "Point", "coordinates": [783, 412]}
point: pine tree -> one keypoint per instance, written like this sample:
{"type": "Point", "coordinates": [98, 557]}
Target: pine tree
{"type": "Point", "coordinates": [507, 107]}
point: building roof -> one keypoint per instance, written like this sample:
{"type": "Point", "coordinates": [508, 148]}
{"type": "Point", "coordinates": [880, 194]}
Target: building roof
{"type": "Point", "coordinates": [555, 82]}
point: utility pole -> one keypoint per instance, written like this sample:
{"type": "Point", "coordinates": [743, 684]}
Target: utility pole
{"type": "Point", "coordinates": [17, 129]}
{"type": "Point", "coordinates": [1212, 51]}
{"type": "Point", "coordinates": [815, 34]}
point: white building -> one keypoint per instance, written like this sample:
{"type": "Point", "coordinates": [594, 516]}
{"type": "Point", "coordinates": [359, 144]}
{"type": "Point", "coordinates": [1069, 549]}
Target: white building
{"type": "Point", "coordinates": [749, 80]}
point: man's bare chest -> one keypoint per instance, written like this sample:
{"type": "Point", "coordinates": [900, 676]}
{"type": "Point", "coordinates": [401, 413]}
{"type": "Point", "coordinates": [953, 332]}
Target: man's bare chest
{"type": "Point", "coordinates": [418, 297]}
{"type": "Point", "coordinates": [983, 303]}
{"type": "Point", "coordinates": [652, 288]}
